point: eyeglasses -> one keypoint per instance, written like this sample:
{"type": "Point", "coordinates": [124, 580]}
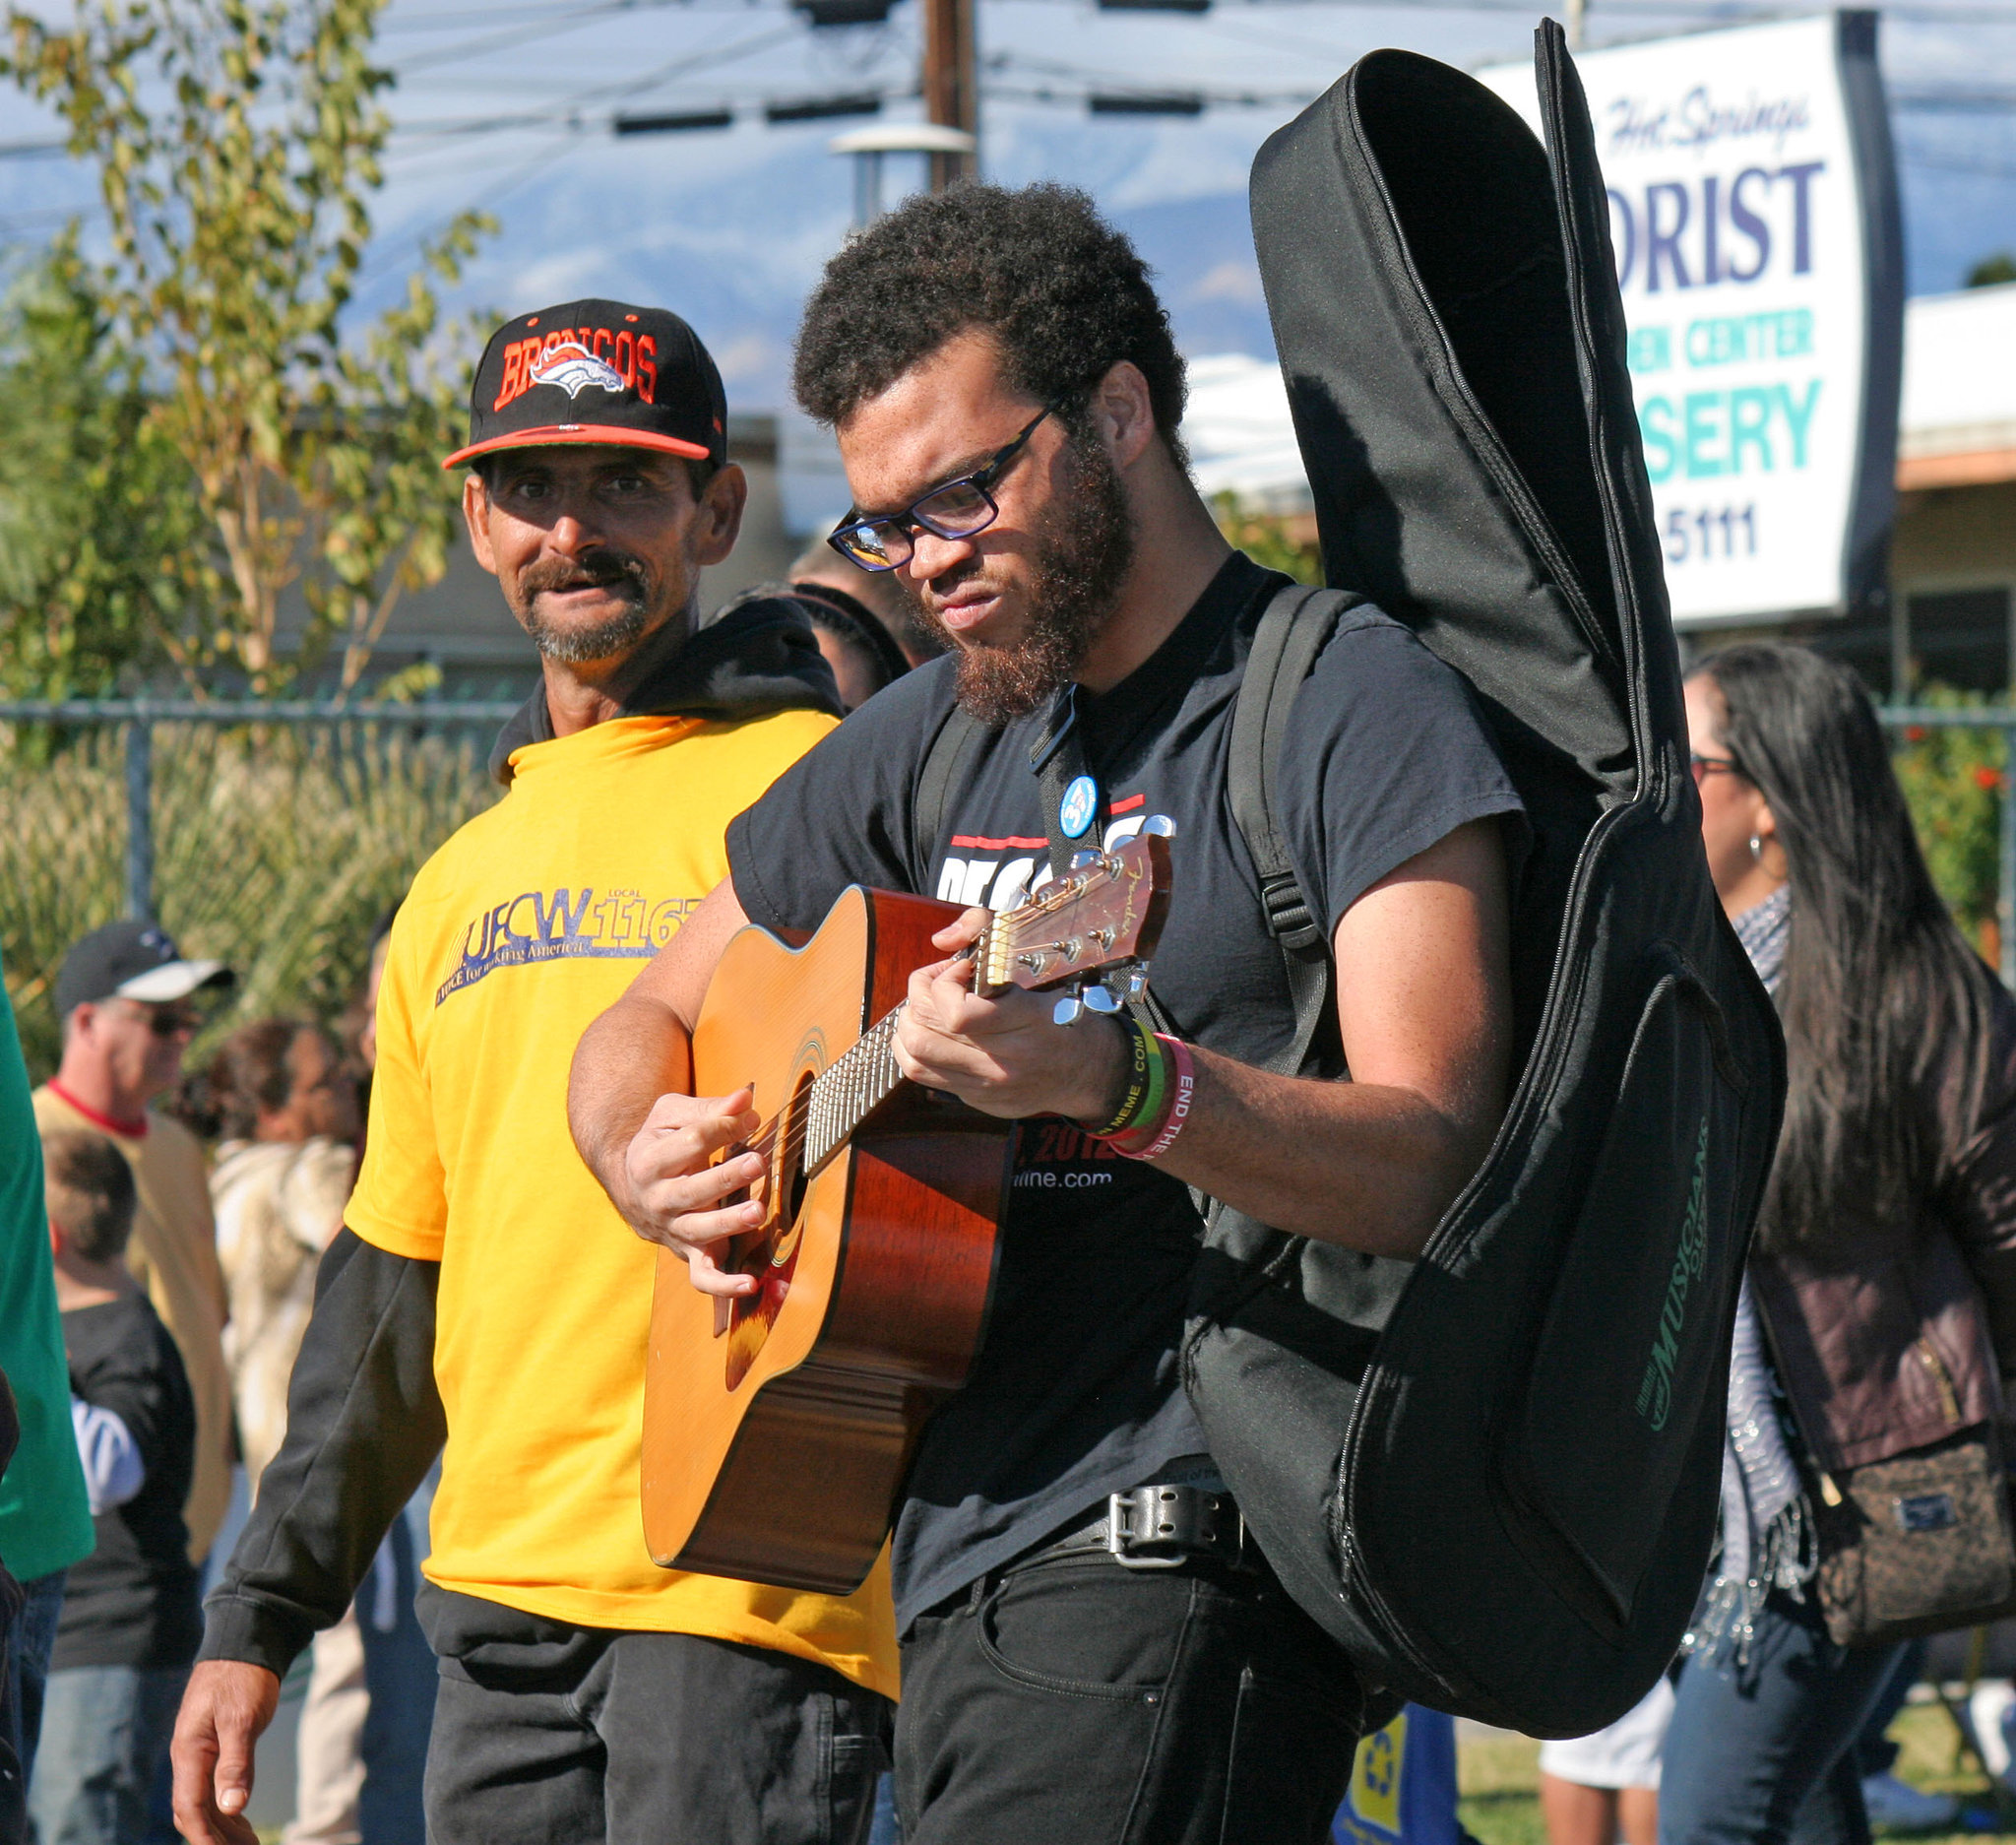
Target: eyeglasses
{"type": "Point", "coordinates": [1705, 766]}
{"type": "Point", "coordinates": [957, 510]}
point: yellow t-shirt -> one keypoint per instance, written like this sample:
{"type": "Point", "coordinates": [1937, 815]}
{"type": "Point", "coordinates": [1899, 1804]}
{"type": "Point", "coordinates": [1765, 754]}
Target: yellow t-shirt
{"type": "Point", "coordinates": [172, 1254]}
{"type": "Point", "coordinates": [516, 935]}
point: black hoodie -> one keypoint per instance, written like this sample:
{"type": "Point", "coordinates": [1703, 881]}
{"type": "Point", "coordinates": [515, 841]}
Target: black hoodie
{"type": "Point", "coordinates": [365, 1420]}
{"type": "Point", "coordinates": [758, 658]}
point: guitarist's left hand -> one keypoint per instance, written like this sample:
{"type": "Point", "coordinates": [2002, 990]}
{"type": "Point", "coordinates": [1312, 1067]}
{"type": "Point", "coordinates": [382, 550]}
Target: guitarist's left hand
{"type": "Point", "coordinates": [1004, 1056]}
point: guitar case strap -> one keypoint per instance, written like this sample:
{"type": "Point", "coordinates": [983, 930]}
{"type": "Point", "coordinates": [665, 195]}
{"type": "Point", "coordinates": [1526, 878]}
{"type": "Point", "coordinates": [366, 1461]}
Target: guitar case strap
{"type": "Point", "coordinates": [1294, 629]}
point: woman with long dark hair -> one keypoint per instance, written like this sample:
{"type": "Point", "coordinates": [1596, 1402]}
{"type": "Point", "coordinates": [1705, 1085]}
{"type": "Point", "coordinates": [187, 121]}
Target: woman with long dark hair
{"type": "Point", "coordinates": [1879, 1310]}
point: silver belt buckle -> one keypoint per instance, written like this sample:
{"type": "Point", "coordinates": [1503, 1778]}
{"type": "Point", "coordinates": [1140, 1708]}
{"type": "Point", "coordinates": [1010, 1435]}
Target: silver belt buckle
{"type": "Point", "coordinates": [1183, 1518]}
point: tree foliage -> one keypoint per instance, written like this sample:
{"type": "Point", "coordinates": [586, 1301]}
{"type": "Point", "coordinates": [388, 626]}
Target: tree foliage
{"type": "Point", "coordinates": [95, 516]}
{"type": "Point", "coordinates": [1955, 781]}
{"type": "Point", "coordinates": [1271, 540]}
{"type": "Point", "coordinates": [237, 145]}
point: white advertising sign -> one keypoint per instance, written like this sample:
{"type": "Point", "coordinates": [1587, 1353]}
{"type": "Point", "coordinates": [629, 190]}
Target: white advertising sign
{"type": "Point", "coordinates": [1757, 257]}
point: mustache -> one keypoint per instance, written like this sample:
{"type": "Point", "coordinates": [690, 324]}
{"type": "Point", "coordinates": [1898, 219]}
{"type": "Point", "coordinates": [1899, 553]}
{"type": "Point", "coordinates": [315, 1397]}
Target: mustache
{"type": "Point", "coordinates": [599, 569]}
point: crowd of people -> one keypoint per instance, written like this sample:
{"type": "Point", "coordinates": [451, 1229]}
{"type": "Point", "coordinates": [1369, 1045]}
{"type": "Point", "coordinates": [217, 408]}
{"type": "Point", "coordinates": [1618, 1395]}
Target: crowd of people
{"type": "Point", "coordinates": [396, 1280]}
{"type": "Point", "coordinates": [186, 1214]}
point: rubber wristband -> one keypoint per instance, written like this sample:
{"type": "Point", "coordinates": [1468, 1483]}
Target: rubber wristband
{"type": "Point", "coordinates": [1182, 1097]}
{"type": "Point", "coordinates": [1158, 1087]}
{"type": "Point", "coordinates": [1142, 1059]}
{"type": "Point", "coordinates": [1155, 1112]}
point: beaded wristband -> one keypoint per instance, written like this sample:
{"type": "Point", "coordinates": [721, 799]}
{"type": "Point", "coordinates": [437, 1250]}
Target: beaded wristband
{"type": "Point", "coordinates": [1159, 1133]}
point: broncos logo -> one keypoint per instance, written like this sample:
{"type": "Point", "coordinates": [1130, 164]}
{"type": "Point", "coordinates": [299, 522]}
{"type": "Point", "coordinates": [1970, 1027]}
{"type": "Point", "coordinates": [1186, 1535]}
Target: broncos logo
{"type": "Point", "coordinates": [573, 367]}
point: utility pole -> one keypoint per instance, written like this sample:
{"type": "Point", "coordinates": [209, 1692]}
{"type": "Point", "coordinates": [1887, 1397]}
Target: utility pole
{"type": "Point", "coordinates": [951, 95]}
{"type": "Point", "coordinates": [1576, 10]}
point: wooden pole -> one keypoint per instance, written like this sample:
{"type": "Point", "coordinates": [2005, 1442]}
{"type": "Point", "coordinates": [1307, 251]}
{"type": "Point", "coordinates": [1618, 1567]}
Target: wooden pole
{"type": "Point", "coordinates": [951, 84]}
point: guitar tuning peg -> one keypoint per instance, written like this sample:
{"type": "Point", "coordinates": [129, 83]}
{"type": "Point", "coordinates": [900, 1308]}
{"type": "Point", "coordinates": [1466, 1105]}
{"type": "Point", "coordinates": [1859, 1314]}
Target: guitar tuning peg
{"type": "Point", "coordinates": [1099, 998]}
{"type": "Point", "coordinates": [1080, 859]}
{"type": "Point", "coordinates": [1137, 980]}
{"type": "Point", "coordinates": [1069, 1009]}
{"type": "Point", "coordinates": [1161, 825]}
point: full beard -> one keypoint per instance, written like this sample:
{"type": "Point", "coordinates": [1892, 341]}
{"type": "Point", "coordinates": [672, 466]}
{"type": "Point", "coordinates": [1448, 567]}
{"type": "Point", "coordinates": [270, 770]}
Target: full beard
{"type": "Point", "coordinates": [1082, 557]}
{"type": "Point", "coordinates": [602, 640]}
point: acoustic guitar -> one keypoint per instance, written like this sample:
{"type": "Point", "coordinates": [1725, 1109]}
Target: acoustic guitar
{"type": "Point", "coordinates": [779, 1425]}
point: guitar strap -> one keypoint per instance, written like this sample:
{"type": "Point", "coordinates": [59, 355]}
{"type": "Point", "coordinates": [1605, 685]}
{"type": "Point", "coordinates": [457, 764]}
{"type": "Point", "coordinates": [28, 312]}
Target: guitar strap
{"type": "Point", "coordinates": [1065, 779]}
{"type": "Point", "coordinates": [1294, 629]}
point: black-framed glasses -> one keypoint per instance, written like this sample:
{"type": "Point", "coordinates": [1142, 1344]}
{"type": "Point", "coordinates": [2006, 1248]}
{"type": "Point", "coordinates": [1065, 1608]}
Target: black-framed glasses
{"type": "Point", "coordinates": [1705, 766]}
{"type": "Point", "coordinates": [957, 510]}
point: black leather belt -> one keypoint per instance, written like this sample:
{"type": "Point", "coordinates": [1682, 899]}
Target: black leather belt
{"type": "Point", "coordinates": [1160, 1526]}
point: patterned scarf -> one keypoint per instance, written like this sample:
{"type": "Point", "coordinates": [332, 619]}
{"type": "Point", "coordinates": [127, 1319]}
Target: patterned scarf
{"type": "Point", "coordinates": [1768, 1540]}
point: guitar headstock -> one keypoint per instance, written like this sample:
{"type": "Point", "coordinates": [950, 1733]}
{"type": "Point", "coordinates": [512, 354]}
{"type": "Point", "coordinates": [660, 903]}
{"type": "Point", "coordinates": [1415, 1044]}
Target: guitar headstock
{"type": "Point", "coordinates": [1103, 915]}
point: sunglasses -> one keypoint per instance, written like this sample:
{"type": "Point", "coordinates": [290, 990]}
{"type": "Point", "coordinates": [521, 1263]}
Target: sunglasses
{"type": "Point", "coordinates": [1705, 766]}
{"type": "Point", "coordinates": [163, 1021]}
{"type": "Point", "coordinates": [956, 510]}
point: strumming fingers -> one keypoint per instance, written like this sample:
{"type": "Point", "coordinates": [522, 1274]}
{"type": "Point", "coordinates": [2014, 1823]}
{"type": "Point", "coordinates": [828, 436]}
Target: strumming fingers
{"type": "Point", "coordinates": [709, 1277]}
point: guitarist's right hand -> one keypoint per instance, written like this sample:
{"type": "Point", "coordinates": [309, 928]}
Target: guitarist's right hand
{"type": "Point", "coordinates": [680, 1198]}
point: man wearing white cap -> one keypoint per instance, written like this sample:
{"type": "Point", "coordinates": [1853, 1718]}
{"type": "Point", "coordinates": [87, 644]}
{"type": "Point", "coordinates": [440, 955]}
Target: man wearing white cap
{"type": "Point", "coordinates": [126, 997]}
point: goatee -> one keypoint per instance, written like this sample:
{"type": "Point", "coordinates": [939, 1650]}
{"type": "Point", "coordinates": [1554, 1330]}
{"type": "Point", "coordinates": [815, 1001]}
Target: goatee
{"type": "Point", "coordinates": [1084, 550]}
{"type": "Point", "coordinates": [604, 640]}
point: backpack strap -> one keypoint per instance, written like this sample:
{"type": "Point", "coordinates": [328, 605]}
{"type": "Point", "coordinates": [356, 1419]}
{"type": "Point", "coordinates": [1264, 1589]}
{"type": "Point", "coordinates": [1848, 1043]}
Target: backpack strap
{"type": "Point", "coordinates": [942, 763]}
{"type": "Point", "coordinates": [1294, 629]}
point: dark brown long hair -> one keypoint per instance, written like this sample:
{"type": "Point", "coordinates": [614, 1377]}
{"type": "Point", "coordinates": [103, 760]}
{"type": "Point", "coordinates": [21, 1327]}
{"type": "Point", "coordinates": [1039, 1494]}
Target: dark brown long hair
{"type": "Point", "coordinates": [249, 1073]}
{"type": "Point", "coordinates": [1886, 1009]}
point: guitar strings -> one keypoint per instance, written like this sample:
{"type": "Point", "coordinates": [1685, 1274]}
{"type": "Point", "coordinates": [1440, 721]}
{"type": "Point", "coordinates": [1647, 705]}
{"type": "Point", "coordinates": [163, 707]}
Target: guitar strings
{"type": "Point", "coordinates": [793, 1124]}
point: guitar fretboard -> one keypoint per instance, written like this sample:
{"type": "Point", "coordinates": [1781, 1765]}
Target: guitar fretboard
{"type": "Point", "coordinates": [859, 1082]}
{"type": "Point", "coordinates": [866, 1076]}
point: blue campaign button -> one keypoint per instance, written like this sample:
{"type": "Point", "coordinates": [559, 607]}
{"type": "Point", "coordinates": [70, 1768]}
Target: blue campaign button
{"type": "Point", "coordinates": [1080, 802]}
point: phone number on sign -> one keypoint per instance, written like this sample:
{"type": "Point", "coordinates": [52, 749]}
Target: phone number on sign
{"type": "Point", "coordinates": [1699, 534]}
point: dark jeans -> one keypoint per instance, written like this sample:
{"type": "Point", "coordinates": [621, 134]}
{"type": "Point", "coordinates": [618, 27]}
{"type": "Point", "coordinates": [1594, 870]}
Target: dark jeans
{"type": "Point", "coordinates": [400, 1680]}
{"type": "Point", "coordinates": [1073, 1700]}
{"type": "Point", "coordinates": [1875, 1752]}
{"type": "Point", "coordinates": [650, 1739]}
{"type": "Point", "coordinates": [28, 1664]}
{"type": "Point", "coordinates": [1763, 1754]}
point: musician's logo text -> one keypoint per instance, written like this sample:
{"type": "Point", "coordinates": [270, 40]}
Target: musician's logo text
{"type": "Point", "coordinates": [561, 924]}
{"type": "Point", "coordinates": [1690, 1258]}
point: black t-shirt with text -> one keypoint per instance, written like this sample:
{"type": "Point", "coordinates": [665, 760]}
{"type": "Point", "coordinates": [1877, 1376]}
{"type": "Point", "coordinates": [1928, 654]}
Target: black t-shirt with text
{"type": "Point", "coordinates": [133, 1601]}
{"type": "Point", "coordinates": [1075, 1393]}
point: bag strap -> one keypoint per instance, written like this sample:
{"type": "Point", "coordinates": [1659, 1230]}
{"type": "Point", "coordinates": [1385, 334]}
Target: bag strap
{"type": "Point", "coordinates": [1295, 628]}
{"type": "Point", "coordinates": [942, 763]}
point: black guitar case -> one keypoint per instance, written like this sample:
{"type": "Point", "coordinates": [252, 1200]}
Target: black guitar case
{"type": "Point", "coordinates": [1492, 1474]}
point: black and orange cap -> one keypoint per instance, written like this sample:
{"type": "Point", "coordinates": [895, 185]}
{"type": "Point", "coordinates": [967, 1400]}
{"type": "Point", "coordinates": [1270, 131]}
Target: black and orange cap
{"type": "Point", "coordinates": [596, 371]}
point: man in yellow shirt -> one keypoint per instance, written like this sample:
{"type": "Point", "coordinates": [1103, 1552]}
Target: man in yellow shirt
{"type": "Point", "coordinates": [484, 1290]}
{"type": "Point", "coordinates": [127, 998]}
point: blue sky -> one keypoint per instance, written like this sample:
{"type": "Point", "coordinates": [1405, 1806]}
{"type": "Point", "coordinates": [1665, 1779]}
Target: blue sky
{"type": "Point", "coordinates": [507, 106]}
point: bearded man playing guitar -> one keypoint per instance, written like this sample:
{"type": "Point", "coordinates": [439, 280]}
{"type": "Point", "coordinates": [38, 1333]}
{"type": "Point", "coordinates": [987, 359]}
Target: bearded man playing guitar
{"type": "Point", "coordinates": [1007, 397]}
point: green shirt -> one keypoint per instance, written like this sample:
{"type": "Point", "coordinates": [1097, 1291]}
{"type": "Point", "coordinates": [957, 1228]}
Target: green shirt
{"type": "Point", "coordinates": [44, 1516]}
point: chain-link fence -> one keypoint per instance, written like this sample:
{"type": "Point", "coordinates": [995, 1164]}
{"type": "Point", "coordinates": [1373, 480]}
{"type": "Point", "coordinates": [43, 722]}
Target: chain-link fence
{"type": "Point", "coordinates": [272, 836]}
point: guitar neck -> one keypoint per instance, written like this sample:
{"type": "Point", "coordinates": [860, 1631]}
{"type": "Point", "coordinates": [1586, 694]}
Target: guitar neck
{"type": "Point", "coordinates": [866, 1076]}
{"type": "Point", "coordinates": [1105, 913]}
{"type": "Point", "coordinates": [851, 1090]}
